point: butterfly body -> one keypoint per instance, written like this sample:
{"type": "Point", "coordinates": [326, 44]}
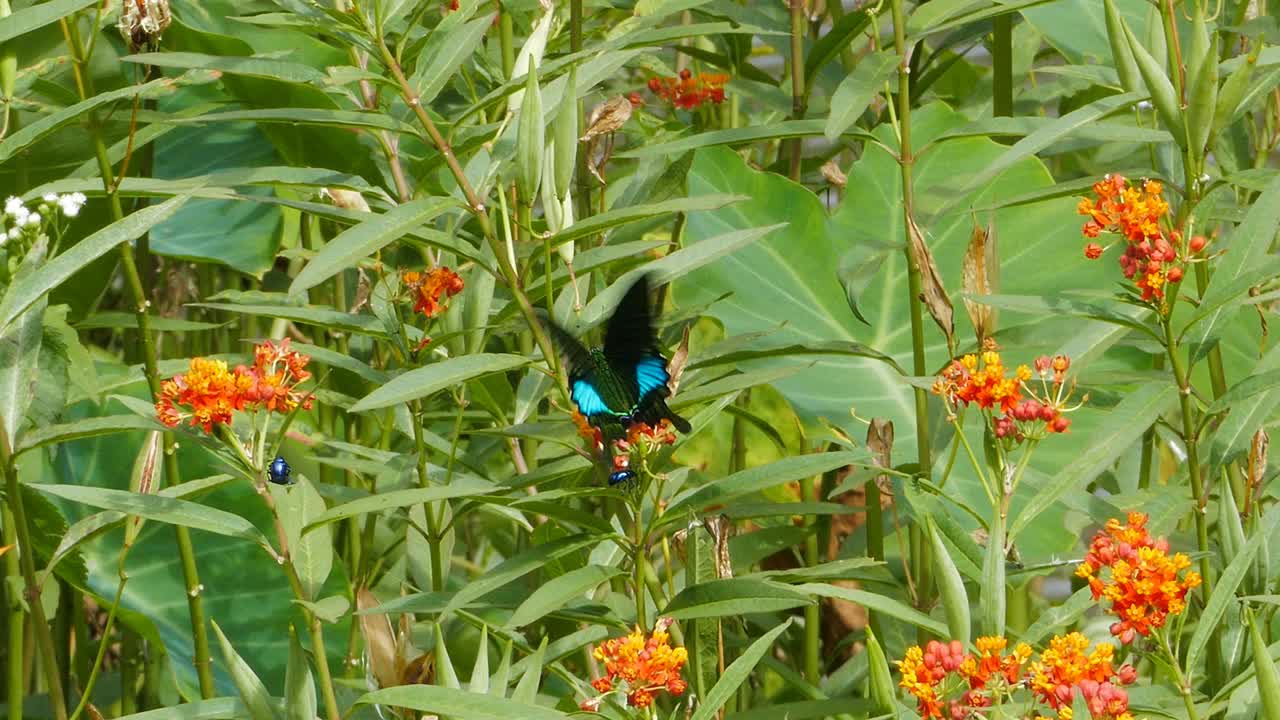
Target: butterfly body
{"type": "Point", "coordinates": [624, 381]}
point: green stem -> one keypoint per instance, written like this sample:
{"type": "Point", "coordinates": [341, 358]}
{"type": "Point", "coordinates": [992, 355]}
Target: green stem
{"type": "Point", "coordinates": [1002, 65]}
{"type": "Point", "coordinates": [130, 651]}
{"type": "Point", "coordinates": [26, 556]}
{"type": "Point", "coordinates": [638, 562]}
{"type": "Point", "coordinates": [16, 620]}
{"type": "Point", "coordinates": [106, 637]}
{"type": "Point", "coordinates": [433, 523]}
{"type": "Point", "coordinates": [797, 81]}
{"type": "Point", "coordinates": [1184, 687]}
{"type": "Point", "coordinates": [813, 612]}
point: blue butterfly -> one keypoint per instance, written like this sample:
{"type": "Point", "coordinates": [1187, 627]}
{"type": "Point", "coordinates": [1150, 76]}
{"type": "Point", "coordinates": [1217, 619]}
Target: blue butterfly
{"type": "Point", "coordinates": [625, 381]}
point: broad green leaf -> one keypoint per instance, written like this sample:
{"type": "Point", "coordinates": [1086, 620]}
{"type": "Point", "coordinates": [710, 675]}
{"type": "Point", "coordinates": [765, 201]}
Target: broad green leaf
{"type": "Point", "coordinates": [857, 91]}
{"type": "Point", "coordinates": [759, 478]}
{"type": "Point", "coordinates": [1224, 590]}
{"type": "Point", "coordinates": [458, 704]}
{"type": "Point", "coordinates": [30, 134]}
{"type": "Point", "coordinates": [23, 293]}
{"type": "Point", "coordinates": [559, 593]}
{"type": "Point", "coordinates": [367, 238]}
{"type": "Point", "coordinates": [20, 344]}
{"type": "Point", "coordinates": [432, 378]}
{"type": "Point", "coordinates": [459, 487]}
{"type": "Point", "coordinates": [878, 603]}
{"type": "Point", "coordinates": [737, 136]}
{"type": "Point", "coordinates": [223, 708]}
{"type": "Point", "coordinates": [1059, 617]}
{"type": "Point", "coordinates": [1251, 386]}
{"type": "Point", "coordinates": [832, 42]}
{"type": "Point", "coordinates": [737, 673]}
{"type": "Point", "coordinates": [1123, 426]}
{"type": "Point", "coordinates": [527, 689]}
{"type": "Point", "coordinates": [37, 16]}
{"type": "Point", "coordinates": [252, 691]}
{"type": "Point", "coordinates": [288, 71]}
{"type": "Point", "coordinates": [158, 508]}
{"type": "Point", "coordinates": [299, 686]}
{"type": "Point", "coordinates": [620, 216]}
{"type": "Point", "coordinates": [733, 596]}
{"type": "Point", "coordinates": [518, 566]}
{"type": "Point", "coordinates": [300, 505]}
{"type": "Point", "coordinates": [445, 51]}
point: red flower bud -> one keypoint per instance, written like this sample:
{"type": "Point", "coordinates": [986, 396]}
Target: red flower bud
{"type": "Point", "coordinates": [1175, 275]}
{"type": "Point", "coordinates": [1093, 251]}
{"type": "Point", "coordinates": [1198, 242]}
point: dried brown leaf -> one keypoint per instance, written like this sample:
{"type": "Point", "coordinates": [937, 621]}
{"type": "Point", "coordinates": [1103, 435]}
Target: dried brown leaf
{"type": "Point", "coordinates": [721, 529]}
{"type": "Point", "coordinates": [607, 117]}
{"type": "Point", "coordinates": [679, 358]}
{"type": "Point", "coordinates": [981, 276]}
{"type": "Point", "coordinates": [379, 641]}
{"type": "Point", "coordinates": [1257, 466]}
{"type": "Point", "coordinates": [347, 199]}
{"type": "Point", "coordinates": [834, 175]}
{"type": "Point", "coordinates": [880, 443]}
{"type": "Point", "coordinates": [933, 294]}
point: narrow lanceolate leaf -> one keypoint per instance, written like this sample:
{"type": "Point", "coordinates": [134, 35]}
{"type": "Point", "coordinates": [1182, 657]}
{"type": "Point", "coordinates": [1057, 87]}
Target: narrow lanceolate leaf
{"type": "Point", "coordinates": [857, 91]}
{"type": "Point", "coordinates": [299, 686]}
{"type": "Point", "coordinates": [526, 691]}
{"type": "Point", "coordinates": [458, 704]}
{"type": "Point", "coordinates": [518, 566]}
{"type": "Point", "coordinates": [1224, 591]}
{"type": "Point", "coordinates": [427, 380]}
{"type": "Point", "coordinates": [460, 487]}
{"type": "Point", "coordinates": [887, 606]}
{"type": "Point", "coordinates": [78, 429]}
{"type": "Point", "coordinates": [733, 596]}
{"type": "Point", "coordinates": [1250, 241]}
{"type": "Point", "coordinates": [20, 358]}
{"type": "Point", "coordinates": [993, 598]}
{"type": "Point", "coordinates": [881, 682]}
{"type": "Point", "coordinates": [252, 691]}
{"type": "Point", "coordinates": [1123, 426]}
{"type": "Point", "coordinates": [23, 293]}
{"type": "Point", "coordinates": [736, 674]}
{"type": "Point", "coordinates": [158, 508]}
{"type": "Point", "coordinates": [1247, 413]}
{"type": "Point", "coordinates": [980, 278]}
{"type": "Point", "coordinates": [299, 505]}
{"type": "Point", "coordinates": [955, 601]}
{"type": "Point", "coordinates": [446, 675]}
{"type": "Point", "coordinates": [294, 72]}
{"type": "Point", "coordinates": [612, 218]}
{"type": "Point", "coordinates": [1158, 84]}
{"type": "Point", "coordinates": [367, 238]}
{"type": "Point", "coordinates": [30, 134]}
{"type": "Point", "coordinates": [480, 671]}
{"type": "Point", "coordinates": [455, 47]}
{"type": "Point", "coordinates": [1268, 673]}
{"type": "Point", "coordinates": [560, 592]}
{"type": "Point", "coordinates": [37, 16]}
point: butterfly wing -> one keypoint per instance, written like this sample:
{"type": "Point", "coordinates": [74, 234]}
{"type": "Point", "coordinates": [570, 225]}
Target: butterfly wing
{"type": "Point", "coordinates": [583, 388]}
{"type": "Point", "coordinates": [629, 336]}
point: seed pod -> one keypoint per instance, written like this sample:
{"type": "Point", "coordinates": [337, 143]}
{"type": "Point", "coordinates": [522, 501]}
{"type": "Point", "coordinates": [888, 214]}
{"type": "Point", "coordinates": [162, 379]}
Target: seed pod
{"type": "Point", "coordinates": [1233, 91]}
{"type": "Point", "coordinates": [1198, 47]}
{"type": "Point", "coordinates": [566, 220]}
{"type": "Point", "coordinates": [955, 601]}
{"type": "Point", "coordinates": [566, 135]}
{"type": "Point", "coordinates": [143, 482]}
{"type": "Point", "coordinates": [550, 204]}
{"type": "Point", "coordinates": [530, 140]}
{"type": "Point", "coordinates": [1202, 101]}
{"type": "Point", "coordinates": [882, 692]}
{"type": "Point", "coordinates": [1268, 673]}
{"type": "Point", "coordinates": [1121, 54]}
{"type": "Point", "coordinates": [1162, 94]}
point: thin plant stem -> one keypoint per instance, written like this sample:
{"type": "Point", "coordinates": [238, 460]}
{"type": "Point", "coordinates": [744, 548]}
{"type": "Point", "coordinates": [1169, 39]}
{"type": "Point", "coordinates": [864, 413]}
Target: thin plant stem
{"type": "Point", "coordinates": [106, 638]}
{"type": "Point", "coordinates": [797, 81]}
{"type": "Point", "coordinates": [1002, 65]}
{"type": "Point", "coordinates": [130, 651]}
{"type": "Point", "coordinates": [26, 556]}
{"type": "Point", "coordinates": [1184, 687]}
{"type": "Point", "coordinates": [919, 551]}
{"type": "Point", "coordinates": [16, 620]}
{"type": "Point", "coordinates": [812, 612]}
{"type": "Point", "coordinates": [433, 523]}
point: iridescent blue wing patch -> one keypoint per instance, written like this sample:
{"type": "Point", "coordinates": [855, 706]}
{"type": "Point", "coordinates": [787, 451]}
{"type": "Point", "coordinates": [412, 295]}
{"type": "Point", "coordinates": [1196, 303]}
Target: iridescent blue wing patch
{"type": "Point", "coordinates": [651, 375]}
{"type": "Point", "coordinates": [587, 399]}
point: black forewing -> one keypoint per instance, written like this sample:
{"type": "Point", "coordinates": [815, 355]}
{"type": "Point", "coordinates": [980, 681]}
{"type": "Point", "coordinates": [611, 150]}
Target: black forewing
{"type": "Point", "coordinates": [629, 336]}
{"type": "Point", "coordinates": [576, 358]}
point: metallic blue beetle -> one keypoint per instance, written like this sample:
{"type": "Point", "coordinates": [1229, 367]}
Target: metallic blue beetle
{"type": "Point", "coordinates": [620, 476]}
{"type": "Point", "coordinates": [278, 471]}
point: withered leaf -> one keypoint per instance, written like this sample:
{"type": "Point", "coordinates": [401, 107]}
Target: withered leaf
{"type": "Point", "coordinates": [981, 276]}
{"type": "Point", "coordinates": [347, 199]}
{"type": "Point", "coordinates": [933, 294]}
{"type": "Point", "coordinates": [880, 443]}
{"type": "Point", "coordinates": [679, 358]}
{"type": "Point", "coordinates": [721, 529]}
{"type": "Point", "coordinates": [607, 117]}
{"type": "Point", "coordinates": [833, 174]}
{"type": "Point", "coordinates": [379, 642]}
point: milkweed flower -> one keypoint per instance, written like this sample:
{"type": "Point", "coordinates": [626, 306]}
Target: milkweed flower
{"type": "Point", "coordinates": [1137, 213]}
{"type": "Point", "coordinates": [639, 667]}
{"type": "Point", "coordinates": [1146, 585]}
{"type": "Point", "coordinates": [688, 91]}
{"type": "Point", "coordinates": [430, 287]}
{"type": "Point", "coordinates": [1068, 668]}
{"type": "Point", "coordinates": [210, 391]}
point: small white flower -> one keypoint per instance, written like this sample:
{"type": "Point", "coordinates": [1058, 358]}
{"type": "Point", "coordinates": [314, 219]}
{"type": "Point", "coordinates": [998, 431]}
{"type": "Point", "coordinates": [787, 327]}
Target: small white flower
{"type": "Point", "coordinates": [15, 233]}
{"type": "Point", "coordinates": [13, 206]}
{"type": "Point", "coordinates": [72, 203]}
{"type": "Point", "coordinates": [1144, 105]}
{"type": "Point", "coordinates": [50, 197]}
{"type": "Point", "coordinates": [33, 219]}
{"type": "Point", "coordinates": [20, 215]}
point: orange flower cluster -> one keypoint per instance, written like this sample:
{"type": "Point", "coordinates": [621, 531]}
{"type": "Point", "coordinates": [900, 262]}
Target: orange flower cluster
{"type": "Point", "coordinates": [689, 91]}
{"type": "Point", "coordinates": [639, 667]}
{"type": "Point", "coordinates": [586, 430]}
{"type": "Point", "coordinates": [428, 288]}
{"type": "Point", "coordinates": [209, 391]}
{"type": "Point", "coordinates": [964, 382]}
{"type": "Point", "coordinates": [1065, 669]}
{"type": "Point", "coordinates": [1135, 213]}
{"type": "Point", "coordinates": [1144, 588]}
{"type": "Point", "coordinates": [986, 676]}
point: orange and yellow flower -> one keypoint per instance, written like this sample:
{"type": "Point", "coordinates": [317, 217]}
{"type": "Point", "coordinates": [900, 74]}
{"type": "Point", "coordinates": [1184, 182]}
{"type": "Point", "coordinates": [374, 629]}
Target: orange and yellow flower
{"type": "Point", "coordinates": [1067, 669]}
{"type": "Point", "coordinates": [966, 381]}
{"type": "Point", "coordinates": [1145, 587]}
{"type": "Point", "coordinates": [430, 287]}
{"type": "Point", "coordinates": [689, 91]}
{"type": "Point", "coordinates": [640, 666]}
{"type": "Point", "coordinates": [1136, 214]}
{"type": "Point", "coordinates": [209, 391]}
